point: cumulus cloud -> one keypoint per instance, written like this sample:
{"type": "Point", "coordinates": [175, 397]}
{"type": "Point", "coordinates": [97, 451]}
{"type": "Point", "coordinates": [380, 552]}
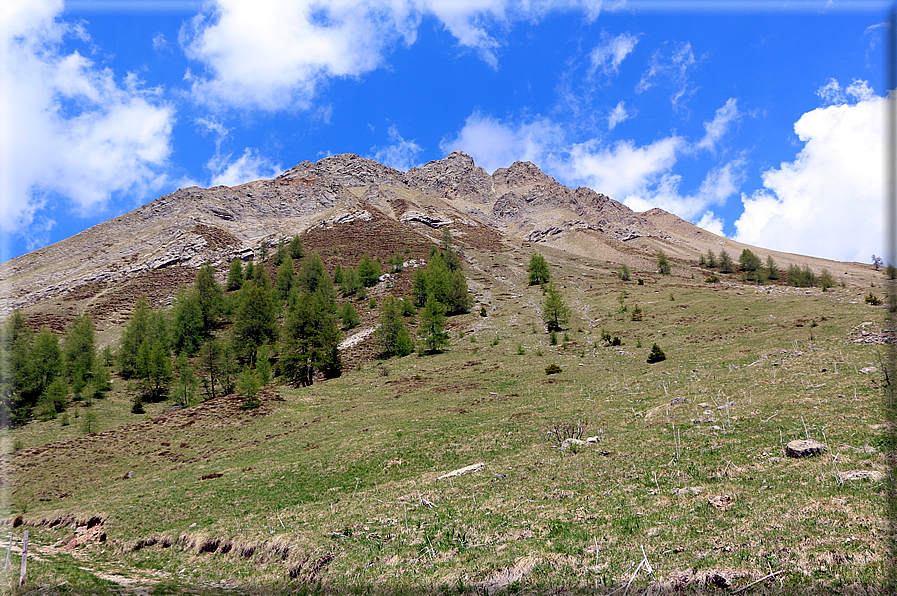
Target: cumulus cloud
{"type": "Point", "coordinates": [674, 65]}
{"type": "Point", "coordinates": [400, 153]}
{"type": "Point", "coordinates": [722, 121]}
{"type": "Point", "coordinates": [827, 202]}
{"type": "Point", "coordinates": [248, 167]}
{"type": "Point", "coordinates": [71, 131]}
{"type": "Point", "coordinates": [622, 170]}
{"type": "Point", "coordinates": [608, 56]}
{"type": "Point", "coordinates": [495, 144]}
{"type": "Point", "coordinates": [277, 54]}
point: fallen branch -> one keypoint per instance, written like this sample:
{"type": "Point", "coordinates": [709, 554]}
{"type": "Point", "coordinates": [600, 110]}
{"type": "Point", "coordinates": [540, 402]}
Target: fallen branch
{"type": "Point", "coordinates": [762, 579]}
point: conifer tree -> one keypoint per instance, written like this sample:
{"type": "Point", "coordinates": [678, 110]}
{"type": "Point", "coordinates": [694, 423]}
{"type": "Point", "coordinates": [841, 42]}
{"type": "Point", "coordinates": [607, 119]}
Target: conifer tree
{"type": "Point", "coordinates": [368, 271]}
{"type": "Point", "coordinates": [235, 275]}
{"type": "Point", "coordinates": [457, 300]}
{"type": "Point", "coordinates": [311, 340]}
{"type": "Point", "coordinates": [663, 264]}
{"type": "Point", "coordinates": [209, 295]}
{"type": "Point", "coordinates": [79, 351]}
{"type": "Point", "coordinates": [555, 313]}
{"type": "Point", "coordinates": [281, 253]}
{"type": "Point", "coordinates": [419, 288]}
{"type": "Point", "coordinates": [393, 334]}
{"type": "Point", "coordinates": [349, 316]}
{"type": "Point", "coordinates": [449, 254]}
{"type": "Point", "coordinates": [296, 251]}
{"type": "Point", "coordinates": [255, 320]}
{"type": "Point", "coordinates": [538, 270]}
{"type": "Point", "coordinates": [771, 269]}
{"type": "Point", "coordinates": [135, 333]}
{"type": "Point", "coordinates": [432, 334]}
{"type": "Point", "coordinates": [725, 262]}
{"type": "Point", "coordinates": [438, 278]}
{"type": "Point", "coordinates": [311, 273]}
{"type": "Point", "coordinates": [285, 277]}
{"type": "Point", "coordinates": [187, 329]}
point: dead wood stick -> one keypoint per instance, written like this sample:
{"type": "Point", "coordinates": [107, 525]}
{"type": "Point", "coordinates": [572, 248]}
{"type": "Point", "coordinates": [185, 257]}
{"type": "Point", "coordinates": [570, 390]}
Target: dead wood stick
{"type": "Point", "coordinates": [752, 584]}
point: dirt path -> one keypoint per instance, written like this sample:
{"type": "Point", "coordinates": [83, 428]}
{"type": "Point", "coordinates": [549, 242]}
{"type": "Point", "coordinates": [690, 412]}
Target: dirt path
{"type": "Point", "coordinates": [138, 584]}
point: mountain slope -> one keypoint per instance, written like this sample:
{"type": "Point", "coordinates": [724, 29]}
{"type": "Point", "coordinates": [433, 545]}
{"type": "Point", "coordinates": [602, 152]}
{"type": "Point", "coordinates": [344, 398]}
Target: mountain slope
{"type": "Point", "coordinates": [156, 247]}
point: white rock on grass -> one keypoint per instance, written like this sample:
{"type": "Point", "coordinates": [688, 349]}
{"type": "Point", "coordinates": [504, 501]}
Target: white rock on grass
{"type": "Point", "coordinates": [870, 475]}
{"type": "Point", "coordinates": [464, 470]}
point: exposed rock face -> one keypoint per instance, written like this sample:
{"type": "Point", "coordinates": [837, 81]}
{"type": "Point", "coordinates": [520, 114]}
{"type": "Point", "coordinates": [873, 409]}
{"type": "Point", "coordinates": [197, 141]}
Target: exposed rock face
{"type": "Point", "coordinates": [453, 177]}
{"type": "Point", "coordinates": [508, 207]}
{"type": "Point", "coordinates": [349, 170]}
{"type": "Point", "coordinates": [184, 229]}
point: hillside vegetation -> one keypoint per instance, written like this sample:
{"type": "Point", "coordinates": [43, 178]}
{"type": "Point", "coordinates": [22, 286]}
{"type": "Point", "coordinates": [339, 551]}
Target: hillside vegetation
{"type": "Point", "coordinates": [594, 462]}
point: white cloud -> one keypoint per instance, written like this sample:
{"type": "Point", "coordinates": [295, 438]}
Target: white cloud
{"type": "Point", "coordinates": [832, 93]}
{"type": "Point", "coordinates": [276, 54]}
{"type": "Point", "coordinates": [70, 129]}
{"type": "Point", "coordinates": [399, 154]}
{"type": "Point", "coordinates": [608, 56]}
{"type": "Point", "coordinates": [716, 128]}
{"type": "Point", "coordinates": [710, 222]}
{"type": "Point", "coordinates": [248, 167]}
{"type": "Point", "coordinates": [623, 169]}
{"type": "Point", "coordinates": [674, 65]}
{"type": "Point", "coordinates": [617, 115]}
{"type": "Point", "coordinates": [662, 190]}
{"type": "Point", "coordinates": [494, 144]}
{"type": "Point", "coordinates": [827, 202]}
{"type": "Point", "coordinates": [160, 43]}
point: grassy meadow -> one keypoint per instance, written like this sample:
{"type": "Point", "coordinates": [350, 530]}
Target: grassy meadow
{"type": "Point", "coordinates": [335, 488]}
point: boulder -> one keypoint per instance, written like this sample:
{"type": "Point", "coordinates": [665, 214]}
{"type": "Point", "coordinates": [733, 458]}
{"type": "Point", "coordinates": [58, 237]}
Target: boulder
{"type": "Point", "coordinates": [870, 475]}
{"type": "Point", "coordinates": [804, 448]}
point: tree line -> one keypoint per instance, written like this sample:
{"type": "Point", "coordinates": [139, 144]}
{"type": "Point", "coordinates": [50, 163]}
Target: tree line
{"type": "Point", "coordinates": [40, 374]}
{"type": "Point", "coordinates": [215, 340]}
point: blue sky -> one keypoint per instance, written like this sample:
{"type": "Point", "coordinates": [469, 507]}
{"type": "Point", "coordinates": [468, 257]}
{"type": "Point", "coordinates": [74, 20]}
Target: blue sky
{"type": "Point", "coordinates": [757, 120]}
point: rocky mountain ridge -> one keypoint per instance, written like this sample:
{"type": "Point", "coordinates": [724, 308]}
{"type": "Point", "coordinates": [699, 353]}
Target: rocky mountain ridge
{"type": "Point", "coordinates": [174, 234]}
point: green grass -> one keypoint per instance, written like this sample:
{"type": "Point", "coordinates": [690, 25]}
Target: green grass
{"type": "Point", "coordinates": [333, 485]}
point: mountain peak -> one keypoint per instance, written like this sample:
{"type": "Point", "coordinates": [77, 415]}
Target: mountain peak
{"type": "Point", "coordinates": [521, 173]}
{"type": "Point", "coordinates": [453, 177]}
{"type": "Point", "coordinates": [348, 169]}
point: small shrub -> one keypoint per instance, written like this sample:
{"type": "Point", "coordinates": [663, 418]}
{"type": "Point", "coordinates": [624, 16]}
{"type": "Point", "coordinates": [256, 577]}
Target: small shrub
{"type": "Point", "coordinates": [553, 369]}
{"type": "Point", "coordinates": [637, 313]}
{"type": "Point", "coordinates": [566, 337]}
{"type": "Point", "coordinates": [482, 311]}
{"type": "Point", "coordinates": [538, 351]}
{"type": "Point", "coordinates": [624, 272]}
{"type": "Point", "coordinates": [138, 408]}
{"type": "Point", "coordinates": [872, 299]}
{"type": "Point", "coordinates": [559, 432]}
{"type": "Point", "coordinates": [711, 279]}
{"type": "Point", "coordinates": [520, 350]}
{"type": "Point", "coordinates": [553, 338]}
{"type": "Point", "coordinates": [616, 341]}
{"type": "Point", "coordinates": [640, 281]}
{"type": "Point", "coordinates": [372, 304]}
{"type": "Point", "coordinates": [495, 341]}
{"type": "Point", "coordinates": [656, 355]}
{"type": "Point", "coordinates": [638, 343]}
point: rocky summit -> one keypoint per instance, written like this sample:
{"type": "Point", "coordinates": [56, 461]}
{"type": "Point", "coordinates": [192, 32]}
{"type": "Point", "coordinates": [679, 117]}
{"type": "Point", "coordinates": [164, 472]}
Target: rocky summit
{"type": "Point", "coordinates": [156, 248]}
